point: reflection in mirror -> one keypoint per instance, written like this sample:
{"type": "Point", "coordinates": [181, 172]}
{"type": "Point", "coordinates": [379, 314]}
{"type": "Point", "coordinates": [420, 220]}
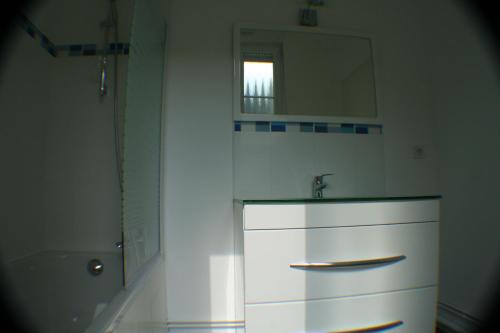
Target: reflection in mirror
{"type": "Point", "coordinates": [304, 73]}
{"type": "Point", "coordinates": [258, 90]}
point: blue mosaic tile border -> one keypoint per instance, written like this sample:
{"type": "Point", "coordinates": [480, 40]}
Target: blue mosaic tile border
{"type": "Point", "coordinates": [91, 49]}
{"type": "Point", "coordinates": [306, 127]}
{"type": "Point", "coordinates": [69, 50]}
{"type": "Point", "coordinates": [37, 35]}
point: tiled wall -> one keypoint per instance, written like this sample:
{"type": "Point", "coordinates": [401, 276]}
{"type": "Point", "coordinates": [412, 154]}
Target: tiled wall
{"type": "Point", "coordinates": [280, 159]}
{"type": "Point", "coordinates": [68, 50]}
{"type": "Point", "coordinates": [306, 127]}
{"type": "Point", "coordinates": [76, 137]}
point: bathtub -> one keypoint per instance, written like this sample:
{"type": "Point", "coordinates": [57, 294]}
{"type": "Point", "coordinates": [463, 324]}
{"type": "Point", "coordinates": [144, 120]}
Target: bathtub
{"type": "Point", "coordinates": [55, 293]}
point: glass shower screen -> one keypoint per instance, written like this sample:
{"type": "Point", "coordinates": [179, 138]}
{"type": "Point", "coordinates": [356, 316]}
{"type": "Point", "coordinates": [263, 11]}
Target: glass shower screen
{"type": "Point", "coordinates": [142, 137]}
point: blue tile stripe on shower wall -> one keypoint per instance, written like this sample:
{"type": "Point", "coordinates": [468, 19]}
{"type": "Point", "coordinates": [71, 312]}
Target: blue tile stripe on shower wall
{"type": "Point", "coordinates": [306, 127]}
{"type": "Point", "coordinates": [69, 50]}
{"type": "Point", "coordinates": [91, 49]}
{"type": "Point", "coordinates": [36, 34]}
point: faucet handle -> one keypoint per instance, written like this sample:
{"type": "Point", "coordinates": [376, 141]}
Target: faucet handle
{"type": "Point", "coordinates": [320, 177]}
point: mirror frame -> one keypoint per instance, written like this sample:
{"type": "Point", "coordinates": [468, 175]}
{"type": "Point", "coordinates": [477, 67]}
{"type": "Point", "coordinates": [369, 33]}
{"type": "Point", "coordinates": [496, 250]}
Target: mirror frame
{"type": "Point", "coordinates": [237, 77]}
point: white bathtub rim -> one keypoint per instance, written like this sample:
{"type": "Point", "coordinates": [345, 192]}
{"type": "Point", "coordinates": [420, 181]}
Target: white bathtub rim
{"type": "Point", "coordinates": [110, 317]}
{"type": "Point", "coordinates": [55, 253]}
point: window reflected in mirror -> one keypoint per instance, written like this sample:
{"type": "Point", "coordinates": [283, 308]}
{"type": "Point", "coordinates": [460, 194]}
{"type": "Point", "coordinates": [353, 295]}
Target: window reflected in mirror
{"type": "Point", "coordinates": [301, 73]}
{"type": "Point", "coordinates": [258, 90]}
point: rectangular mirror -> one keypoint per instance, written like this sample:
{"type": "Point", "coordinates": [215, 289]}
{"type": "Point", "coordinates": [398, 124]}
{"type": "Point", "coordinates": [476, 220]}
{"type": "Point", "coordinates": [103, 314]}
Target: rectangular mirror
{"type": "Point", "coordinates": [298, 72]}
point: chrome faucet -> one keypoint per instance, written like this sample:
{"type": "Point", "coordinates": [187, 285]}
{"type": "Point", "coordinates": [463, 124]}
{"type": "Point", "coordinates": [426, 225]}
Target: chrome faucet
{"type": "Point", "coordinates": [318, 186]}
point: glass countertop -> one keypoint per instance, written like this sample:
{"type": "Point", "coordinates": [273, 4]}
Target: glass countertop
{"type": "Point", "coordinates": [330, 200]}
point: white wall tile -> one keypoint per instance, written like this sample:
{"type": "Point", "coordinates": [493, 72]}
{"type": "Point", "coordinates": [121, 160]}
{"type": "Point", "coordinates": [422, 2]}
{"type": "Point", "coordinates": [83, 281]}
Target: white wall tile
{"type": "Point", "coordinates": [356, 161]}
{"type": "Point", "coordinates": [282, 165]}
{"type": "Point", "coordinates": [252, 162]}
{"type": "Point", "coordinates": [292, 160]}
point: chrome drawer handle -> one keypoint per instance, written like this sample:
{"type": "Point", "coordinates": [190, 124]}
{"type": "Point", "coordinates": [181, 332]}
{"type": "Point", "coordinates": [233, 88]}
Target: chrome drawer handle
{"type": "Point", "coordinates": [351, 263]}
{"type": "Point", "coordinates": [376, 328]}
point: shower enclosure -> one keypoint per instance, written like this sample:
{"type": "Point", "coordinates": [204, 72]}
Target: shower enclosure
{"type": "Point", "coordinates": [80, 101]}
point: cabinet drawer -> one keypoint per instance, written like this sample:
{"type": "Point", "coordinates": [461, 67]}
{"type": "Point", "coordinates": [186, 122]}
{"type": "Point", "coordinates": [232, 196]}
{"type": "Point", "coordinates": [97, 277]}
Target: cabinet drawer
{"type": "Point", "coordinates": [409, 311]}
{"type": "Point", "coordinates": [316, 215]}
{"type": "Point", "coordinates": [269, 255]}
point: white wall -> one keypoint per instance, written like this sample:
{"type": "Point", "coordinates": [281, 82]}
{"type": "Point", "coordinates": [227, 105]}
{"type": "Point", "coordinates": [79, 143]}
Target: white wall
{"type": "Point", "coordinates": [22, 130]}
{"type": "Point", "coordinates": [21, 169]}
{"type": "Point", "coordinates": [79, 21]}
{"type": "Point", "coordinates": [465, 89]}
{"type": "Point", "coordinates": [199, 193]}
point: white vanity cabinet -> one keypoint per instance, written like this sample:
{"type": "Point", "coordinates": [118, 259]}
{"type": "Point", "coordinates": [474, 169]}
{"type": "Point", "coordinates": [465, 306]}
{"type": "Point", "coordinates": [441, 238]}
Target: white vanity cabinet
{"type": "Point", "coordinates": [338, 265]}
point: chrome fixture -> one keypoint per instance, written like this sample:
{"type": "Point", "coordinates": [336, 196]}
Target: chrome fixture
{"type": "Point", "coordinates": [107, 25]}
{"type": "Point", "coordinates": [103, 76]}
{"type": "Point", "coordinates": [309, 15]}
{"type": "Point", "coordinates": [110, 27]}
{"type": "Point", "coordinates": [349, 263]}
{"type": "Point", "coordinates": [318, 186]}
{"type": "Point", "coordinates": [119, 245]}
{"type": "Point", "coordinates": [95, 267]}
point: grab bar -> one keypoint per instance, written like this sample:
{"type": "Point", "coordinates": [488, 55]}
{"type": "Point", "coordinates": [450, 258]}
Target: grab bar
{"type": "Point", "coordinates": [350, 263]}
